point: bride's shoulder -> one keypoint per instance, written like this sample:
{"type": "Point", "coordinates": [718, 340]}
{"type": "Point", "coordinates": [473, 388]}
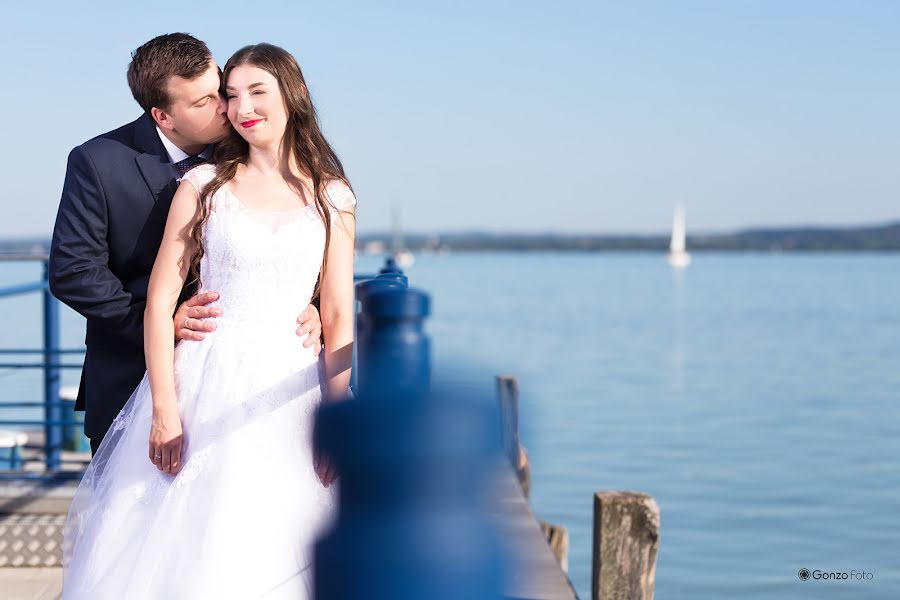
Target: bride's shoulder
{"type": "Point", "coordinates": [200, 175]}
{"type": "Point", "coordinates": [340, 194]}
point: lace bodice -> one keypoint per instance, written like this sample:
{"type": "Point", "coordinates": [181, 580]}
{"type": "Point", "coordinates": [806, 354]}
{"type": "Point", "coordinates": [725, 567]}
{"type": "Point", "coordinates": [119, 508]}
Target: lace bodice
{"type": "Point", "coordinates": [263, 264]}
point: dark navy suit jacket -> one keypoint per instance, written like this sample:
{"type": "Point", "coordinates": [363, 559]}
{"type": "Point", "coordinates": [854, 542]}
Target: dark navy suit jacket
{"type": "Point", "coordinates": [112, 214]}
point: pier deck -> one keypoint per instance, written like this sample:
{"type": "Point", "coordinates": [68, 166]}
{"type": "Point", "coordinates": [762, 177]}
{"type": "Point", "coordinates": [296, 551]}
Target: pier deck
{"type": "Point", "coordinates": [23, 583]}
{"type": "Point", "coordinates": [39, 511]}
{"type": "Point", "coordinates": [536, 574]}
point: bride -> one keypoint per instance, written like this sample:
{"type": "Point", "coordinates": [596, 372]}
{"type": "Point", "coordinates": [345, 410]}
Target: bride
{"type": "Point", "coordinates": [227, 498]}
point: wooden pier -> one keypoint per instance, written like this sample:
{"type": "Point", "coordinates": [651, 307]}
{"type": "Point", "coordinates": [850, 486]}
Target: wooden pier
{"type": "Point", "coordinates": [32, 515]}
{"type": "Point", "coordinates": [536, 574]}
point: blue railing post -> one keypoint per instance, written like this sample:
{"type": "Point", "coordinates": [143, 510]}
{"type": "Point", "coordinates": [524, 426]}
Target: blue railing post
{"type": "Point", "coordinates": [394, 350]}
{"type": "Point", "coordinates": [53, 429]}
{"type": "Point", "coordinates": [364, 288]}
{"type": "Point", "coordinates": [411, 466]}
{"type": "Point", "coordinates": [390, 266]}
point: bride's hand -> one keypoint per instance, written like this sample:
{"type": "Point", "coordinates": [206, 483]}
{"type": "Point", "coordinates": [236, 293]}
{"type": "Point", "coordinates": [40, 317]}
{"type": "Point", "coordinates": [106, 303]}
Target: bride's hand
{"type": "Point", "coordinates": [166, 440]}
{"type": "Point", "coordinates": [325, 469]}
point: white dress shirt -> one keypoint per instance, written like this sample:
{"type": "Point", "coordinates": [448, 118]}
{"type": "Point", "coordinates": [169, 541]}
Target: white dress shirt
{"type": "Point", "coordinates": [176, 154]}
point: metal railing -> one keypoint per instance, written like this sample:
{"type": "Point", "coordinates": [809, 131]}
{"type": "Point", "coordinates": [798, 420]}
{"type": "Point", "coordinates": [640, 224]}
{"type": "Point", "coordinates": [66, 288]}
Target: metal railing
{"type": "Point", "coordinates": [58, 414]}
{"type": "Point", "coordinates": [55, 417]}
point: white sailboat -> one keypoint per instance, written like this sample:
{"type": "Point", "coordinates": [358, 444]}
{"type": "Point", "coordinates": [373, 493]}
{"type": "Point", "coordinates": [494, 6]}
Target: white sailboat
{"type": "Point", "coordinates": [678, 256]}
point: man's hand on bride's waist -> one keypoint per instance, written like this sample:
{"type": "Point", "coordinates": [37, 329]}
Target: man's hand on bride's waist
{"type": "Point", "coordinates": [310, 325]}
{"type": "Point", "coordinates": [194, 318]}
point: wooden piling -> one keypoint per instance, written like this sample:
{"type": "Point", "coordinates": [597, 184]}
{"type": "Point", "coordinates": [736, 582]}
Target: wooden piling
{"type": "Point", "coordinates": [558, 538]}
{"type": "Point", "coordinates": [508, 395]}
{"type": "Point", "coordinates": [626, 542]}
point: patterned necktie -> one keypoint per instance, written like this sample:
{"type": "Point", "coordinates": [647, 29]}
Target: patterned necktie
{"type": "Point", "coordinates": [183, 166]}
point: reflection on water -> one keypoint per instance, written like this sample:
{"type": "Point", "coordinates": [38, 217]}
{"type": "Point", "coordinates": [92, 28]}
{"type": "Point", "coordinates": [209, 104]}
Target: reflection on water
{"type": "Point", "coordinates": [679, 277]}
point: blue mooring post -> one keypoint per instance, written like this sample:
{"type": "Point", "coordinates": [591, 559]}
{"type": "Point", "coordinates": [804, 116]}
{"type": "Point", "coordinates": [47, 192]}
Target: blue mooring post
{"type": "Point", "coordinates": [390, 266]}
{"type": "Point", "coordinates": [412, 465]}
{"type": "Point", "coordinates": [392, 340]}
{"type": "Point", "coordinates": [387, 279]}
{"type": "Point", "coordinates": [53, 429]}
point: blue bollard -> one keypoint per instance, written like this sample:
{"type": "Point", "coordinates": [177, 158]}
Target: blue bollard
{"type": "Point", "coordinates": [393, 347]}
{"type": "Point", "coordinates": [397, 277]}
{"type": "Point", "coordinates": [413, 466]}
{"type": "Point", "coordinates": [363, 289]}
{"type": "Point", "coordinates": [388, 281]}
{"type": "Point", "coordinates": [390, 266]}
{"type": "Point", "coordinates": [380, 282]}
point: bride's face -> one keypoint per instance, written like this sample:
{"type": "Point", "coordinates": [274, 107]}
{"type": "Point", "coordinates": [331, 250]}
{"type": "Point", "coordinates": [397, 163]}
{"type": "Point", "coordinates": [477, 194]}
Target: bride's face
{"type": "Point", "coordinates": [255, 106]}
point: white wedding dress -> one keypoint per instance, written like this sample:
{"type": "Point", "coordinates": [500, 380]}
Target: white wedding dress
{"type": "Point", "coordinates": [239, 520]}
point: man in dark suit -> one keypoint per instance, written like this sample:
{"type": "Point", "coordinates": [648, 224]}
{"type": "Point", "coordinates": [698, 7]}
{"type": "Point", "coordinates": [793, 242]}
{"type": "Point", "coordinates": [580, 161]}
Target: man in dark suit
{"type": "Point", "coordinates": [112, 214]}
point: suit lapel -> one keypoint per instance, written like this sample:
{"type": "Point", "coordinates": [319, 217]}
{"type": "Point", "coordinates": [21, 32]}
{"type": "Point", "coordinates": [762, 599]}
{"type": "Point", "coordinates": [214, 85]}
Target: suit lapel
{"type": "Point", "coordinates": [158, 172]}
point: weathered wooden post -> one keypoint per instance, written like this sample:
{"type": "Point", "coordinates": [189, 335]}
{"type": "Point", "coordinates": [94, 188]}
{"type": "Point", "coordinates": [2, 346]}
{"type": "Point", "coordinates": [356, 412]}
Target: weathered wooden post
{"type": "Point", "coordinates": [508, 394]}
{"type": "Point", "coordinates": [412, 467]}
{"type": "Point", "coordinates": [626, 541]}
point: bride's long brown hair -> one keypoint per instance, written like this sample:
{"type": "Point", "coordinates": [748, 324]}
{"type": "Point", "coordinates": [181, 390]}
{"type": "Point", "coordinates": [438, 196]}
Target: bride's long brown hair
{"type": "Point", "coordinates": [303, 141]}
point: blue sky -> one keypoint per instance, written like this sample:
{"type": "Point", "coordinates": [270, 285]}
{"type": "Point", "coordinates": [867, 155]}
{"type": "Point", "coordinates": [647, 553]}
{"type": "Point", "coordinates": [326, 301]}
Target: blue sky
{"type": "Point", "coordinates": [515, 116]}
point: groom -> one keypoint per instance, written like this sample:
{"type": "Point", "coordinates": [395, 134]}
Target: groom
{"type": "Point", "coordinates": [112, 214]}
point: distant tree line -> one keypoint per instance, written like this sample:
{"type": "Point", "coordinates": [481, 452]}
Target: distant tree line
{"type": "Point", "coordinates": [806, 239]}
{"type": "Point", "coordinates": [803, 239]}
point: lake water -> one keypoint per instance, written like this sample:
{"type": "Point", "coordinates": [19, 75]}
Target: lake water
{"type": "Point", "coordinates": [755, 397]}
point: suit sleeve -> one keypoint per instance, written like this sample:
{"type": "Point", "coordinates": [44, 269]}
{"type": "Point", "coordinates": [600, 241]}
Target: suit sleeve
{"type": "Point", "coordinates": [79, 256]}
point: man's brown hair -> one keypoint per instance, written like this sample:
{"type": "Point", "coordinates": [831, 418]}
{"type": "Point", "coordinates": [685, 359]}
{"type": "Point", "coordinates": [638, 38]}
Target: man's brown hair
{"type": "Point", "coordinates": [153, 63]}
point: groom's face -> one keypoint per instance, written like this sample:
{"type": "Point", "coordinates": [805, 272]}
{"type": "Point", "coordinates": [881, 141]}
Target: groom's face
{"type": "Point", "coordinates": [197, 110]}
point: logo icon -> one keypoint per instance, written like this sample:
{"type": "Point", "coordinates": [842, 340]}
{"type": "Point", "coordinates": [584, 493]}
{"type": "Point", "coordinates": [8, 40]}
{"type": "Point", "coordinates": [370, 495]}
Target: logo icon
{"type": "Point", "coordinates": [804, 574]}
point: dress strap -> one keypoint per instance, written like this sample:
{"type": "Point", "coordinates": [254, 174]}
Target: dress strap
{"type": "Point", "coordinates": [200, 175]}
{"type": "Point", "coordinates": [340, 195]}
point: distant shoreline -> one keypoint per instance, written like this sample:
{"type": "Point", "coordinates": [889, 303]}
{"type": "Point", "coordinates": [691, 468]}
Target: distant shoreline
{"type": "Point", "coordinates": [877, 238]}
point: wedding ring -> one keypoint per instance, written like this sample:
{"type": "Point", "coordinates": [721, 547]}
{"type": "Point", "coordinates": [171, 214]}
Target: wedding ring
{"type": "Point", "coordinates": [158, 456]}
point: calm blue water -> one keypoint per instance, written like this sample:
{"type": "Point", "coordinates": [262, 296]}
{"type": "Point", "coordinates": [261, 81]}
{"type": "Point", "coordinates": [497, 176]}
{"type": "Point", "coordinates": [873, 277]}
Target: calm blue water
{"type": "Point", "coordinates": [754, 396]}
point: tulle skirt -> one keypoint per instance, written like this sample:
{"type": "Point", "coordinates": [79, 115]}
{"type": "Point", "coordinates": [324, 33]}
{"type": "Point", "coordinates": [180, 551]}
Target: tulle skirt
{"type": "Point", "coordinates": [241, 517]}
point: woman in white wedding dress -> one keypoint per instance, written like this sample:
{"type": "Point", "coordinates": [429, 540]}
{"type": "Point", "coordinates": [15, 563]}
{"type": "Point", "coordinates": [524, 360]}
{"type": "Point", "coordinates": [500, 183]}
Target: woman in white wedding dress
{"type": "Point", "coordinates": [206, 485]}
